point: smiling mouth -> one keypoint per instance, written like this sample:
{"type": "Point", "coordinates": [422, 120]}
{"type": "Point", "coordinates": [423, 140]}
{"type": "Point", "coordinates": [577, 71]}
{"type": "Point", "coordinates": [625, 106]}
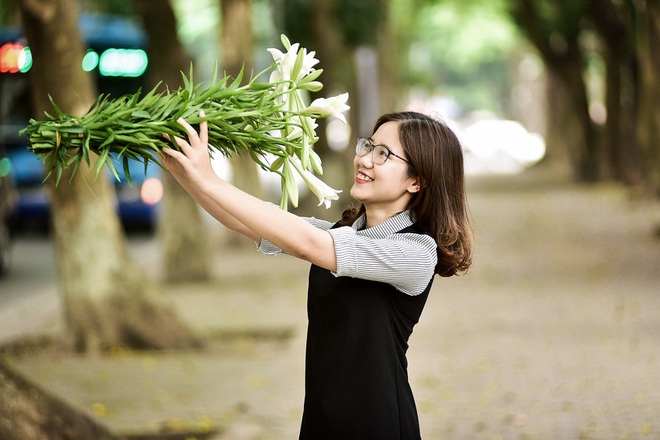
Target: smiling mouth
{"type": "Point", "coordinates": [364, 177]}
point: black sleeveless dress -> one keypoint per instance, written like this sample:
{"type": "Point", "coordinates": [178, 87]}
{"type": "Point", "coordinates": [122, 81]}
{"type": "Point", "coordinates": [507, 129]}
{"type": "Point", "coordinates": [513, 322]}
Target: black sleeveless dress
{"type": "Point", "coordinates": [356, 379]}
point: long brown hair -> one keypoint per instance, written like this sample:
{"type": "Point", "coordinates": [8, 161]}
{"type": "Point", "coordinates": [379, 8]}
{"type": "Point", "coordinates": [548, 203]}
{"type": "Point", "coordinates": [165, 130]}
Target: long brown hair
{"type": "Point", "coordinates": [436, 159]}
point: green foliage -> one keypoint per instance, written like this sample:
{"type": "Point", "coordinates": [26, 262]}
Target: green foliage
{"type": "Point", "coordinates": [462, 49]}
{"type": "Point", "coordinates": [120, 7]}
{"type": "Point", "coordinates": [360, 21]}
{"type": "Point", "coordinates": [561, 16]}
{"type": "Point", "coordinates": [241, 121]}
{"type": "Point", "coordinates": [7, 10]}
{"type": "Point", "coordinates": [297, 20]}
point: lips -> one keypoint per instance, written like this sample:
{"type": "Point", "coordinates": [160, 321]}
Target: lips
{"type": "Point", "coordinates": [363, 177]}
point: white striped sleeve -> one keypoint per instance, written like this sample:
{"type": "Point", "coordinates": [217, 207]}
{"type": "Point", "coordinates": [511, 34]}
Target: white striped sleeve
{"type": "Point", "coordinates": [267, 248]}
{"type": "Point", "coordinates": [405, 260]}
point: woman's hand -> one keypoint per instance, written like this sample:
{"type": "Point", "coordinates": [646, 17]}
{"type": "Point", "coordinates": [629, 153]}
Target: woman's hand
{"type": "Point", "coordinates": [191, 166]}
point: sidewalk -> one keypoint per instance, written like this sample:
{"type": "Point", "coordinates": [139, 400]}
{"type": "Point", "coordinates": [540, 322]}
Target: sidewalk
{"type": "Point", "coordinates": [554, 333]}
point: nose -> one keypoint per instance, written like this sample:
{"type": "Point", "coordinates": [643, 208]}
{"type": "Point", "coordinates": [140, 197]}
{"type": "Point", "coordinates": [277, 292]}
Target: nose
{"type": "Point", "coordinates": [366, 161]}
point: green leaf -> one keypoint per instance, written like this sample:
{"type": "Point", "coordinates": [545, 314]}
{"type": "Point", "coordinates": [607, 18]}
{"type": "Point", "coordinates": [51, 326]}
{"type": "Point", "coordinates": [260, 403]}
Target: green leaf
{"type": "Point", "coordinates": [237, 81]}
{"type": "Point", "coordinates": [111, 167]}
{"type": "Point", "coordinates": [57, 109]}
{"type": "Point", "coordinates": [141, 114]}
{"type": "Point", "coordinates": [127, 171]}
{"type": "Point", "coordinates": [59, 174]}
{"type": "Point", "coordinates": [312, 76]}
{"type": "Point", "coordinates": [100, 162]}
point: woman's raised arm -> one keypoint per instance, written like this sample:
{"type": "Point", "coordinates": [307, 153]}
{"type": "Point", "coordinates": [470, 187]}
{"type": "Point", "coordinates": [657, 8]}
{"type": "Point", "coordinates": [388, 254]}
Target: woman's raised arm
{"type": "Point", "coordinates": [240, 211]}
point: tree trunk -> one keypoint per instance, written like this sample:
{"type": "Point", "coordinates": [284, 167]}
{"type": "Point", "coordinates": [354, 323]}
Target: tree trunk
{"type": "Point", "coordinates": [569, 123]}
{"type": "Point", "coordinates": [108, 301]}
{"type": "Point", "coordinates": [582, 139]}
{"type": "Point", "coordinates": [328, 47]}
{"type": "Point", "coordinates": [237, 39]}
{"type": "Point", "coordinates": [649, 96]}
{"type": "Point", "coordinates": [570, 136]}
{"type": "Point", "coordinates": [237, 45]}
{"type": "Point", "coordinates": [559, 121]}
{"type": "Point", "coordinates": [621, 147]}
{"type": "Point", "coordinates": [184, 238]}
{"type": "Point", "coordinates": [391, 39]}
{"type": "Point", "coordinates": [28, 412]}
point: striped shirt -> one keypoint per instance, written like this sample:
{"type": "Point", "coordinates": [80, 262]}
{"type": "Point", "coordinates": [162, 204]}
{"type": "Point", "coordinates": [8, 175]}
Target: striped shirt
{"type": "Point", "coordinates": [406, 260]}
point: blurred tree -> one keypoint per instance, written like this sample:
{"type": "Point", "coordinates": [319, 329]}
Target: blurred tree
{"type": "Point", "coordinates": [464, 50]}
{"type": "Point", "coordinates": [236, 50]}
{"type": "Point", "coordinates": [236, 36]}
{"type": "Point", "coordinates": [648, 124]}
{"type": "Point", "coordinates": [119, 7]}
{"type": "Point", "coordinates": [184, 238]}
{"type": "Point", "coordinates": [615, 26]}
{"type": "Point", "coordinates": [8, 13]}
{"type": "Point", "coordinates": [569, 35]}
{"type": "Point", "coordinates": [28, 412]}
{"type": "Point", "coordinates": [108, 301]}
{"type": "Point", "coordinates": [326, 42]}
{"type": "Point", "coordinates": [554, 28]}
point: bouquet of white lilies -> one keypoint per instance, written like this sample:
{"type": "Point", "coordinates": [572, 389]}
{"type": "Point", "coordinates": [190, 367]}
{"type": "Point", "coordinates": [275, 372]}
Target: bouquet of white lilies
{"type": "Point", "coordinates": [269, 121]}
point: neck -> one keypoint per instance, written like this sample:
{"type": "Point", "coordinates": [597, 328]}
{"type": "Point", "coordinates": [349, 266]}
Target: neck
{"type": "Point", "coordinates": [378, 216]}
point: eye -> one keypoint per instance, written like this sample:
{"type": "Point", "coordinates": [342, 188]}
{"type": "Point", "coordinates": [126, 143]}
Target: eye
{"type": "Point", "coordinates": [382, 152]}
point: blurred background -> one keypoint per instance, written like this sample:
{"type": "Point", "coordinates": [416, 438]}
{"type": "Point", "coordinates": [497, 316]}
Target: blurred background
{"type": "Point", "coordinates": [557, 104]}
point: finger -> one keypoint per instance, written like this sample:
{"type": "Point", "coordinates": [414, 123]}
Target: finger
{"type": "Point", "coordinates": [167, 160]}
{"type": "Point", "coordinates": [172, 154]}
{"type": "Point", "coordinates": [184, 146]}
{"type": "Point", "coordinates": [180, 142]}
{"type": "Point", "coordinates": [192, 134]}
{"type": "Point", "coordinates": [203, 129]}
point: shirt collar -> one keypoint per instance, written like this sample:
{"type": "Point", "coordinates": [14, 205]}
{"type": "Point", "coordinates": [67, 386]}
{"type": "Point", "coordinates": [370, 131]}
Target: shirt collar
{"type": "Point", "coordinates": [388, 227]}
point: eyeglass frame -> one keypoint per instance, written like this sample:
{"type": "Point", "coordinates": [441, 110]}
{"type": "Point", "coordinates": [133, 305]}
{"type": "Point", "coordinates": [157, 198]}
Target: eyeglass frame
{"type": "Point", "coordinates": [363, 142]}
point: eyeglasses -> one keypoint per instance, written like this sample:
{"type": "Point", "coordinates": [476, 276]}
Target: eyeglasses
{"type": "Point", "coordinates": [379, 153]}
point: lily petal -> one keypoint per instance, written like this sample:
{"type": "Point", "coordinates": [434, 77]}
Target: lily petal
{"type": "Point", "coordinates": [334, 106]}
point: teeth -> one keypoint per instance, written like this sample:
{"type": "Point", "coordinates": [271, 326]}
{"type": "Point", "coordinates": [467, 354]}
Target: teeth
{"type": "Point", "coordinates": [364, 177]}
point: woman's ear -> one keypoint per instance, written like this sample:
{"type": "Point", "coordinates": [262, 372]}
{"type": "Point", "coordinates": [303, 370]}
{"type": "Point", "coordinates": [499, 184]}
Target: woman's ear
{"type": "Point", "coordinates": [415, 186]}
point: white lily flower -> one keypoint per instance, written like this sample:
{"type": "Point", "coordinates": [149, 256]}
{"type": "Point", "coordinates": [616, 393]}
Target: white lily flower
{"type": "Point", "coordinates": [286, 62]}
{"type": "Point", "coordinates": [296, 66]}
{"type": "Point", "coordinates": [325, 193]}
{"type": "Point", "coordinates": [334, 106]}
{"type": "Point", "coordinates": [309, 62]}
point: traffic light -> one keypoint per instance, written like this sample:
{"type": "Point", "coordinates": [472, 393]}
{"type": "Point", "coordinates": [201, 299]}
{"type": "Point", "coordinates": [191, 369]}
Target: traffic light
{"type": "Point", "coordinates": [123, 62]}
{"type": "Point", "coordinates": [16, 58]}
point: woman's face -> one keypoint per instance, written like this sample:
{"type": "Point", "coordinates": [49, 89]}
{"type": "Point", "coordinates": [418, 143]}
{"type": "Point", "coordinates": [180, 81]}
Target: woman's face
{"type": "Point", "coordinates": [384, 186]}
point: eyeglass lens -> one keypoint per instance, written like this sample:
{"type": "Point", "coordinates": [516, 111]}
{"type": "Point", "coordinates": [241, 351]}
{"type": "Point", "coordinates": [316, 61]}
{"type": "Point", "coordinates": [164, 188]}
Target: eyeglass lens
{"type": "Point", "coordinates": [379, 153]}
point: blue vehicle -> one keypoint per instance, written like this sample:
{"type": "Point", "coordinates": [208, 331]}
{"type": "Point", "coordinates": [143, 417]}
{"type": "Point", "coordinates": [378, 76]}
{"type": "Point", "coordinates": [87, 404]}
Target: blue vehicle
{"type": "Point", "coordinates": [117, 57]}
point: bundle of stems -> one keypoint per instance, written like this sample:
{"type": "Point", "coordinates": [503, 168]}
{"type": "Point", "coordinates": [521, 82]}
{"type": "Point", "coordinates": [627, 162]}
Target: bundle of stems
{"type": "Point", "coordinates": [266, 120]}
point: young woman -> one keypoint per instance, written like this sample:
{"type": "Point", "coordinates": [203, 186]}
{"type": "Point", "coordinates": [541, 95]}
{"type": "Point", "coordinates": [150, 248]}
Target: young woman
{"type": "Point", "coordinates": [371, 271]}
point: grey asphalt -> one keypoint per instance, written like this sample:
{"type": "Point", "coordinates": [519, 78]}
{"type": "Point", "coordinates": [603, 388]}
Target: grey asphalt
{"type": "Point", "coordinates": [554, 333]}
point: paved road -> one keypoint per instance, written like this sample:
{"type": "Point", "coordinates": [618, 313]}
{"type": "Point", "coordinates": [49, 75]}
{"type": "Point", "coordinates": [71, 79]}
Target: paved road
{"type": "Point", "coordinates": [29, 290]}
{"type": "Point", "coordinates": [554, 334]}
{"type": "Point", "coordinates": [29, 302]}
